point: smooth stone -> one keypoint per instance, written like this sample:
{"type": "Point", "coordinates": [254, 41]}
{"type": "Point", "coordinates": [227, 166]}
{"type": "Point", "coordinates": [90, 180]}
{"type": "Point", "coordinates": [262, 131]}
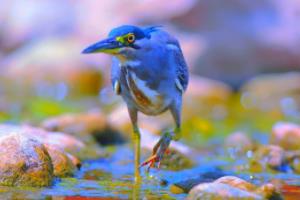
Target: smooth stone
{"type": "Point", "coordinates": [286, 135]}
{"type": "Point", "coordinates": [220, 191]}
{"type": "Point", "coordinates": [62, 164]}
{"type": "Point", "coordinates": [186, 185]}
{"type": "Point", "coordinates": [87, 126]}
{"type": "Point", "coordinates": [267, 157]}
{"type": "Point", "coordinates": [24, 162]}
{"type": "Point", "coordinates": [240, 142]}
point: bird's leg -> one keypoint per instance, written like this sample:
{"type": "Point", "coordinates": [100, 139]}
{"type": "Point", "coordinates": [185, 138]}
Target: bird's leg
{"type": "Point", "coordinates": [136, 142]}
{"type": "Point", "coordinates": [161, 146]}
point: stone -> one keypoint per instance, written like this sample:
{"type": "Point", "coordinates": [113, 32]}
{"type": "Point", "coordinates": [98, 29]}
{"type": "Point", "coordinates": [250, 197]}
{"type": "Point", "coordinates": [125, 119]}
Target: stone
{"type": "Point", "coordinates": [282, 96]}
{"type": "Point", "coordinates": [87, 126]}
{"type": "Point", "coordinates": [239, 142]}
{"type": "Point", "coordinates": [68, 143]}
{"type": "Point", "coordinates": [76, 162]}
{"type": "Point", "coordinates": [236, 182]}
{"type": "Point", "coordinates": [231, 187]}
{"type": "Point", "coordinates": [267, 157]}
{"type": "Point", "coordinates": [62, 164]}
{"type": "Point", "coordinates": [220, 191]}
{"type": "Point", "coordinates": [235, 48]}
{"type": "Point", "coordinates": [186, 185]}
{"type": "Point", "coordinates": [286, 135]}
{"type": "Point", "coordinates": [24, 162]}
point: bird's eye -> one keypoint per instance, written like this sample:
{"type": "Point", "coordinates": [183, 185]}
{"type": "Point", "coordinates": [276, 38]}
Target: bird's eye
{"type": "Point", "coordinates": [130, 38]}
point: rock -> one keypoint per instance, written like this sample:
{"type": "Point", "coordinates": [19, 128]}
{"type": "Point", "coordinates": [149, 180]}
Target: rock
{"type": "Point", "coordinates": [86, 125]}
{"type": "Point", "coordinates": [76, 162]}
{"type": "Point", "coordinates": [267, 157]}
{"type": "Point", "coordinates": [175, 161]}
{"type": "Point", "coordinates": [62, 164]}
{"type": "Point", "coordinates": [186, 185]}
{"type": "Point", "coordinates": [239, 142]}
{"type": "Point", "coordinates": [286, 135]}
{"type": "Point", "coordinates": [235, 48]}
{"type": "Point", "coordinates": [206, 97]}
{"type": "Point", "coordinates": [231, 187]}
{"type": "Point", "coordinates": [236, 182]}
{"type": "Point", "coordinates": [220, 191]}
{"type": "Point", "coordinates": [67, 76]}
{"type": "Point", "coordinates": [24, 162]}
{"type": "Point", "coordinates": [282, 96]}
{"type": "Point", "coordinates": [66, 142]}
{"type": "Point", "coordinates": [266, 190]}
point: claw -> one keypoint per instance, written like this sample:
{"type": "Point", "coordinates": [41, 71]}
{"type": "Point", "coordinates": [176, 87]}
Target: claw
{"type": "Point", "coordinates": [149, 161]}
{"type": "Point", "coordinates": [158, 151]}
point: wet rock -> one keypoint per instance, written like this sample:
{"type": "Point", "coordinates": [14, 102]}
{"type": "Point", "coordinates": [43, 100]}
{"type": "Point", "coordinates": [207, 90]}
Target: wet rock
{"type": "Point", "coordinates": [175, 161]}
{"type": "Point", "coordinates": [186, 185]}
{"type": "Point", "coordinates": [24, 162]}
{"type": "Point", "coordinates": [219, 191]}
{"type": "Point", "coordinates": [239, 142]}
{"type": "Point", "coordinates": [62, 164]}
{"type": "Point", "coordinates": [268, 157]}
{"type": "Point", "coordinates": [231, 187]}
{"type": "Point", "coordinates": [177, 157]}
{"type": "Point", "coordinates": [66, 142]}
{"type": "Point", "coordinates": [76, 162]}
{"type": "Point", "coordinates": [286, 135]}
{"type": "Point", "coordinates": [236, 182]}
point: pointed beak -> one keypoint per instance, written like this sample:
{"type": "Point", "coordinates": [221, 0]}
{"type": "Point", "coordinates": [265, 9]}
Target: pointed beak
{"type": "Point", "coordinates": [109, 46]}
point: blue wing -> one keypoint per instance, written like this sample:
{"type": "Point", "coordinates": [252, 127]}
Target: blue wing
{"type": "Point", "coordinates": [115, 76]}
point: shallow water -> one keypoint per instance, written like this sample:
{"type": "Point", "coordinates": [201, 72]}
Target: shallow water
{"type": "Point", "coordinates": [112, 178]}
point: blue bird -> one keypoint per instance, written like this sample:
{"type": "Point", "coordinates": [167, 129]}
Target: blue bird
{"type": "Point", "coordinates": [150, 73]}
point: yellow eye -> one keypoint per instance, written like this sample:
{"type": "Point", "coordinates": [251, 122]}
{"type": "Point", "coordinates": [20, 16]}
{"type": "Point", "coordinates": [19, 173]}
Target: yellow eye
{"type": "Point", "coordinates": [130, 38]}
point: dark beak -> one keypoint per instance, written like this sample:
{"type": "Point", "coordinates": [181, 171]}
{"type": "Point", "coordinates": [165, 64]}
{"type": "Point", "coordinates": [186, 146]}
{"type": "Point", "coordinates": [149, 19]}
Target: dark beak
{"type": "Point", "coordinates": [109, 45]}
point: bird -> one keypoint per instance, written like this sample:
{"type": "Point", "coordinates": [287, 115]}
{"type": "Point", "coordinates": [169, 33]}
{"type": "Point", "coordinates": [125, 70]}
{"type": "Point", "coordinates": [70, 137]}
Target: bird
{"type": "Point", "coordinates": [150, 73]}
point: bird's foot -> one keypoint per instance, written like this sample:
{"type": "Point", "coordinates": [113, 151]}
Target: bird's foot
{"type": "Point", "coordinates": [158, 151]}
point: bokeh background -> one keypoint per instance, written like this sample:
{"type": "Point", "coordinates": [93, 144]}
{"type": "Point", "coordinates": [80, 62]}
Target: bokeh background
{"type": "Point", "coordinates": [252, 47]}
{"type": "Point", "coordinates": [241, 111]}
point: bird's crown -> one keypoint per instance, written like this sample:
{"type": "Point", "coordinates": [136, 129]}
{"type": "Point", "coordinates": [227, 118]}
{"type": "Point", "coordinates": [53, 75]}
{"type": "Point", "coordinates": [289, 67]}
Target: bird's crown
{"type": "Point", "coordinates": [138, 32]}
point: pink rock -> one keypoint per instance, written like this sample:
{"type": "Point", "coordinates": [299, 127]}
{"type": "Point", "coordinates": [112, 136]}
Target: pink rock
{"type": "Point", "coordinates": [286, 135]}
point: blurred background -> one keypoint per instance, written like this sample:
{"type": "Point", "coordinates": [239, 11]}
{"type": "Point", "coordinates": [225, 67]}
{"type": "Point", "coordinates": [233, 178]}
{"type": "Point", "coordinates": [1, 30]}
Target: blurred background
{"type": "Point", "coordinates": [246, 52]}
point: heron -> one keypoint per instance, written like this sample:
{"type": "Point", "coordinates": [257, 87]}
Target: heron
{"type": "Point", "coordinates": [150, 73]}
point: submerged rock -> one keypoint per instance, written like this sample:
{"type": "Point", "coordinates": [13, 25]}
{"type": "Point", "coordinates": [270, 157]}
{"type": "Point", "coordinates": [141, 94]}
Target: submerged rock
{"type": "Point", "coordinates": [267, 157]}
{"type": "Point", "coordinates": [286, 135]}
{"type": "Point", "coordinates": [231, 187]}
{"type": "Point", "coordinates": [175, 161]}
{"type": "Point", "coordinates": [24, 162]}
{"type": "Point", "coordinates": [186, 185]}
{"type": "Point", "coordinates": [62, 164]}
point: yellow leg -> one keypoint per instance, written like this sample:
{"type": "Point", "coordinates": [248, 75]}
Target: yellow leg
{"type": "Point", "coordinates": [137, 154]}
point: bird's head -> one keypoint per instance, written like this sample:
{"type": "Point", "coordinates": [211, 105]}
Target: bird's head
{"type": "Point", "coordinates": [121, 40]}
